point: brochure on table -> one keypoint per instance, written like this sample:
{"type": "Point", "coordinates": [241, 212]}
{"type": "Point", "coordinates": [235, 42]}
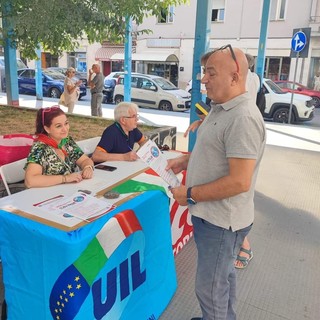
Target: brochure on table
{"type": "Point", "coordinates": [79, 205]}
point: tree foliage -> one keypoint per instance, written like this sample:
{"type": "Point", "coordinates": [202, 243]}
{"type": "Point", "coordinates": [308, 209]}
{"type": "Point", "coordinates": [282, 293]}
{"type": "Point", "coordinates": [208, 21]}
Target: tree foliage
{"type": "Point", "coordinates": [58, 24]}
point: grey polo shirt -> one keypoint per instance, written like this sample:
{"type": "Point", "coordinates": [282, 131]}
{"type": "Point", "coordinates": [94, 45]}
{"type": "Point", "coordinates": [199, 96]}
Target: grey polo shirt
{"type": "Point", "coordinates": [98, 83]}
{"type": "Point", "coordinates": [234, 129]}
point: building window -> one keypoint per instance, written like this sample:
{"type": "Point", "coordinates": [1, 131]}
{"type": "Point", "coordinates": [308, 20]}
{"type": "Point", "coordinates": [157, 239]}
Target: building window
{"type": "Point", "coordinates": [218, 9]}
{"type": "Point", "coordinates": [166, 15]}
{"type": "Point", "coordinates": [49, 60]}
{"type": "Point", "coordinates": [277, 9]}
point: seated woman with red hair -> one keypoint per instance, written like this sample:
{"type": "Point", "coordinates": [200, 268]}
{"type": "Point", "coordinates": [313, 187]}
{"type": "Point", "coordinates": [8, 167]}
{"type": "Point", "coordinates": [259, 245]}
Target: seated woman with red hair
{"type": "Point", "coordinates": [54, 157]}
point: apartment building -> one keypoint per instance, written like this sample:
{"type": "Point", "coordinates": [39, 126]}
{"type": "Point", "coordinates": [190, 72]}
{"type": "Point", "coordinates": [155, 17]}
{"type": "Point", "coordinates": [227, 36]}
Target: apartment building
{"type": "Point", "coordinates": [168, 50]}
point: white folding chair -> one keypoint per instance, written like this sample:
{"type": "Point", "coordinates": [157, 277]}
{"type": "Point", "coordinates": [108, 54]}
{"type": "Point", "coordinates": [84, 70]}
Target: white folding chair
{"type": "Point", "coordinates": [12, 173]}
{"type": "Point", "coordinates": [89, 145]}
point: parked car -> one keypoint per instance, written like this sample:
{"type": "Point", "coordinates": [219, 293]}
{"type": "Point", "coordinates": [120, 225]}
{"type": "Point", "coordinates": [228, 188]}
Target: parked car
{"type": "Point", "coordinates": [189, 86]}
{"type": "Point", "coordinates": [20, 65]}
{"type": "Point", "coordinates": [289, 86]}
{"type": "Point", "coordinates": [52, 83]}
{"type": "Point", "coordinates": [153, 92]}
{"type": "Point", "coordinates": [110, 82]}
{"type": "Point", "coordinates": [79, 75]}
{"type": "Point", "coordinates": [114, 75]}
{"type": "Point", "coordinates": [278, 104]}
{"type": "Point", "coordinates": [108, 89]}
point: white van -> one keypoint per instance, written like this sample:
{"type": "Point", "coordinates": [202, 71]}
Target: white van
{"type": "Point", "coordinates": [153, 92]}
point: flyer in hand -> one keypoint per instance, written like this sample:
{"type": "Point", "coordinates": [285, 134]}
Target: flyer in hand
{"type": "Point", "coordinates": [154, 158]}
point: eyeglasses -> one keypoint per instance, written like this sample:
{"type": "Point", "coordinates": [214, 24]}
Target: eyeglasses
{"type": "Point", "coordinates": [136, 116]}
{"type": "Point", "coordinates": [46, 110]}
{"type": "Point", "coordinates": [228, 46]}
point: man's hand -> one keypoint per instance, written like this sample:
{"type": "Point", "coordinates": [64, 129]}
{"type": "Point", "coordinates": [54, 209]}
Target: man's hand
{"type": "Point", "coordinates": [193, 127]}
{"type": "Point", "coordinates": [178, 164]}
{"type": "Point", "coordinates": [130, 156]}
{"type": "Point", "coordinates": [180, 195]}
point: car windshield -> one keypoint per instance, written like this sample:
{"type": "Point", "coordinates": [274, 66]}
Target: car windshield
{"type": "Point", "coordinates": [54, 75]}
{"type": "Point", "coordinates": [274, 87]}
{"type": "Point", "coordinates": [165, 84]}
{"type": "Point", "coordinates": [20, 64]}
{"type": "Point", "coordinates": [109, 82]}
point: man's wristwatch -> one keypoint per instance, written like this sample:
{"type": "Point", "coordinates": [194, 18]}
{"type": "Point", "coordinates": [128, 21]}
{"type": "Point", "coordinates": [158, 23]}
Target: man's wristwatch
{"type": "Point", "coordinates": [189, 198]}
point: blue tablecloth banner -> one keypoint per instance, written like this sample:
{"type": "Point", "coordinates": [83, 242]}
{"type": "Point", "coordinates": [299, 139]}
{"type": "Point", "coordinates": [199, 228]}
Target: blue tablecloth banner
{"type": "Point", "coordinates": [120, 266]}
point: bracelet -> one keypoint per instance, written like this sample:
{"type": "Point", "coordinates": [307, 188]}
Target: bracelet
{"type": "Point", "coordinates": [64, 179]}
{"type": "Point", "coordinates": [88, 166]}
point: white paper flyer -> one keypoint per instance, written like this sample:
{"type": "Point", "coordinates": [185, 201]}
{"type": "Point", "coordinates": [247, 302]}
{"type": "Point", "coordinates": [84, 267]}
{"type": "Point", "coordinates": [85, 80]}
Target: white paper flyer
{"type": "Point", "coordinates": [79, 205]}
{"type": "Point", "coordinates": [150, 154]}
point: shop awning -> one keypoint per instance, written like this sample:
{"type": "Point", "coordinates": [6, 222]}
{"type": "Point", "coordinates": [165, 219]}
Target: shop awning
{"type": "Point", "coordinates": [149, 56]}
{"type": "Point", "coordinates": [105, 53]}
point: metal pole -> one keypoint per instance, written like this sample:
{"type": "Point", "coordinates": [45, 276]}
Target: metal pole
{"type": "Point", "coordinates": [127, 60]}
{"type": "Point", "coordinates": [10, 57]}
{"type": "Point", "coordinates": [201, 46]}
{"type": "Point", "coordinates": [39, 90]}
{"type": "Point", "coordinates": [294, 82]}
{"type": "Point", "coordinates": [263, 39]}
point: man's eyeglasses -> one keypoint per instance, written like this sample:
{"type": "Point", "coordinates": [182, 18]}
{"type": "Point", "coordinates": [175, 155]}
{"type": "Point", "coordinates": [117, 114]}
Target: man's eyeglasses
{"type": "Point", "coordinates": [228, 46]}
{"type": "Point", "coordinates": [46, 110]}
{"type": "Point", "coordinates": [136, 116]}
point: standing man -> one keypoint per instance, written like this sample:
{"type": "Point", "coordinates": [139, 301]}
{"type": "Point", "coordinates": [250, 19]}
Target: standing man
{"type": "Point", "coordinates": [221, 176]}
{"type": "Point", "coordinates": [96, 86]}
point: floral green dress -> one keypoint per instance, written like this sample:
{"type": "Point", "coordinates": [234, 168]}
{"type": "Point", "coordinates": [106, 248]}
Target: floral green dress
{"type": "Point", "coordinates": [51, 163]}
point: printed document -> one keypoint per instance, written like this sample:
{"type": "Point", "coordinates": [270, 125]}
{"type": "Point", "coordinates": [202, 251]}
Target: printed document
{"type": "Point", "coordinates": [154, 158]}
{"type": "Point", "coordinates": [80, 205]}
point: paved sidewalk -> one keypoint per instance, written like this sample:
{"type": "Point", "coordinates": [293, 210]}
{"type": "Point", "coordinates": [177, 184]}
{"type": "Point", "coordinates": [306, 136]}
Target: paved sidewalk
{"type": "Point", "coordinates": [282, 280]}
{"type": "Point", "coordinates": [305, 136]}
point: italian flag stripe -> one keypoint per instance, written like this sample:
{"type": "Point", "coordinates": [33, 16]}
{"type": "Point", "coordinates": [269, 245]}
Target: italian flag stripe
{"type": "Point", "coordinates": [128, 222]}
{"type": "Point", "coordinates": [110, 236]}
{"type": "Point", "coordinates": [107, 240]}
{"type": "Point", "coordinates": [91, 261]}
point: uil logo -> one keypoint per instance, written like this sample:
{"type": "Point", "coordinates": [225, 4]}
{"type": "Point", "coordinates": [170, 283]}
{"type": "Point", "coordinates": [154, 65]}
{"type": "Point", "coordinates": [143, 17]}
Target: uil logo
{"type": "Point", "coordinates": [75, 283]}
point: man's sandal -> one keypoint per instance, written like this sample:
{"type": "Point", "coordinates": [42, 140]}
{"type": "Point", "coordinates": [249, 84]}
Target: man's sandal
{"type": "Point", "coordinates": [244, 261]}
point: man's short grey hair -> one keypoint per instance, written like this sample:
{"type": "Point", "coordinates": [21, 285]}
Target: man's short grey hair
{"type": "Point", "coordinates": [250, 59]}
{"type": "Point", "coordinates": [123, 108]}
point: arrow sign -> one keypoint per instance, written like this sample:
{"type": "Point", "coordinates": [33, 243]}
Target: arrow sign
{"type": "Point", "coordinates": [299, 41]}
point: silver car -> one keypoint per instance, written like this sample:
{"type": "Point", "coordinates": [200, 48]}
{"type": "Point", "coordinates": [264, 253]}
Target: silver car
{"type": "Point", "coordinates": [153, 92]}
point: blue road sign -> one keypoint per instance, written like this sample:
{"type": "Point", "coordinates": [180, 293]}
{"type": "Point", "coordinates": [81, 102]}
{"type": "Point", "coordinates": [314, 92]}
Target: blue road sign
{"type": "Point", "coordinates": [298, 41]}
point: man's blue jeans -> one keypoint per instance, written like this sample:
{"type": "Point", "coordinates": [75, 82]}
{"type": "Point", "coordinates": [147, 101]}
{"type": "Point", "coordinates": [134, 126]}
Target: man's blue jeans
{"type": "Point", "coordinates": [216, 278]}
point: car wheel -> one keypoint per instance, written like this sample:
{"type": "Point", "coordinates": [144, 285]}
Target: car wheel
{"type": "Point", "coordinates": [282, 115]}
{"type": "Point", "coordinates": [54, 93]}
{"type": "Point", "coordinates": [165, 105]}
{"type": "Point", "coordinates": [118, 99]}
{"type": "Point", "coordinates": [316, 101]}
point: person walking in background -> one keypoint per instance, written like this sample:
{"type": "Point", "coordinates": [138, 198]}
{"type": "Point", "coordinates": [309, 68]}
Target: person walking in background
{"type": "Point", "coordinates": [54, 157]}
{"type": "Point", "coordinates": [221, 175]}
{"type": "Point", "coordinates": [316, 81]}
{"type": "Point", "coordinates": [117, 140]}
{"type": "Point", "coordinates": [96, 85]}
{"type": "Point", "coordinates": [71, 89]}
